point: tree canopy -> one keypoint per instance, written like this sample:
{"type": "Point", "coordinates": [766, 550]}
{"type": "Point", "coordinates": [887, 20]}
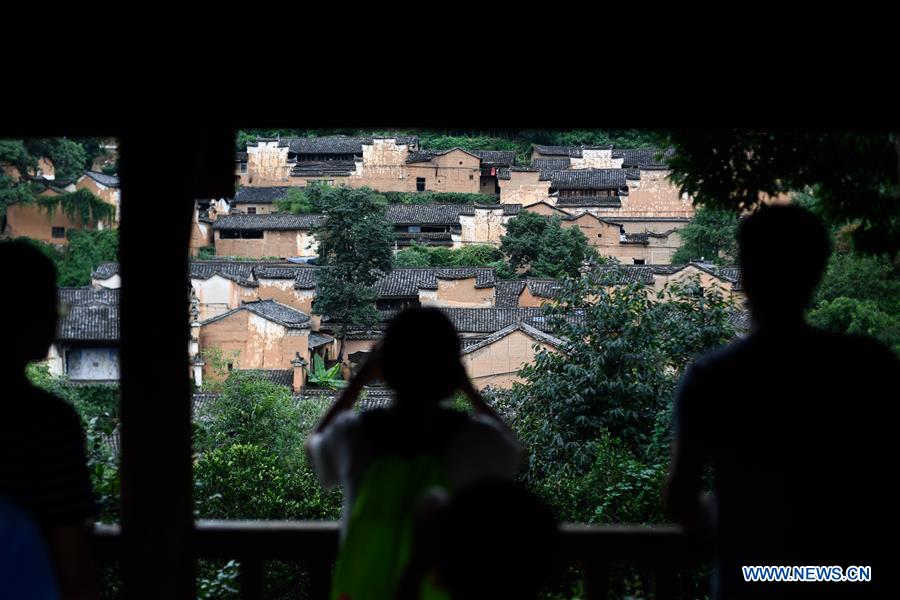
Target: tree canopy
{"type": "Point", "coordinates": [711, 235]}
{"type": "Point", "coordinates": [542, 247]}
{"type": "Point", "coordinates": [355, 241]}
{"type": "Point", "coordinates": [855, 176]}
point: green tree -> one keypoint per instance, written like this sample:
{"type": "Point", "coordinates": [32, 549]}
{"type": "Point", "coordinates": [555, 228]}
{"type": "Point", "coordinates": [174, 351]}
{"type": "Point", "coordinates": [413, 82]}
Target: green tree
{"type": "Point", "coordinates": [68, 156]}
{"type": "Point", "coordinates": [624, 351]}
{"type": "Point", "coordinates": [355, 241]}
{"type": "Point", "coordinates": [298, 201]}
{"type": "Point", "coordinates": [856, 176]}
{"type": "Point", "coordinates": [543, 247]}
{"type": "Point", "coordinates": [711, 235]}
{"type": "Point", "coordinates": [84, 252]}
{"type": "Point", "coordinates": [476, 255]}
{"type": "Point", "coordinates": [14, 153]}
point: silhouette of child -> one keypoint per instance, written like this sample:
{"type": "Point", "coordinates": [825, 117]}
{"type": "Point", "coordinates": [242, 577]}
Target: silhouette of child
{"type": "Point", "coordinates": [387, 459]}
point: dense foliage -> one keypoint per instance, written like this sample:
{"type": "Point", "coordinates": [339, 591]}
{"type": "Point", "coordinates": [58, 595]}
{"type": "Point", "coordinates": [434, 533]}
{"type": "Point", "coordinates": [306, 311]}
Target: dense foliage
{"type": "Point", "coordinates": [70, 158]}
{"type": "Point", "coordinates": [596, 414]}
{"type": "Point", "coordinates": [855, 176]}
{"type": "Point", "coordinates": [541, 247]}
{"type": "Point", "coordinates": [476, 255]}
{"type": "Point", "coordinates": [84, 253]}
{"type": "Point", "coordinates": [355, 241]}
{"type": "Point", "coordinates": [710, 235]}
{"type": "Point", "coordinates": [98, 406]}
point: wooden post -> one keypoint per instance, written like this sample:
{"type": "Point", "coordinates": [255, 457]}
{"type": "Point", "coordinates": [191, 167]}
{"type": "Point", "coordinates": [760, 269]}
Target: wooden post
{"type": "Point", "coordinates": [158, 560]}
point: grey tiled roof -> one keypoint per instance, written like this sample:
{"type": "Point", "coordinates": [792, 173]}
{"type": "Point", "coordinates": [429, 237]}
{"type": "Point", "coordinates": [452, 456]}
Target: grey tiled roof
{"type": "Point", "coordinates": [506, 293]}
{"type": "Point", "coordinates": [623, 274]}
{"type": "Point", "coordinates": [337, 144]}
{"type": "Point", "coordinates": [586, 179]}
{"type": "Point", "coordinates": [437, 214]}
{"type": "Point", "coordinates": [280, 270]}
{"type": "Point", "coordinates": [271, 311]}
{"type": "Point", "coordinates": [406, 282]}
{"type": "Point", "coordinates": [741, 320]}
{"type": "Point", "coordinates": [105, 270]}
{"type": "Point", "coordinates": [644, 158]}
{"type": "Point", "coordinates": [406, 238]}
{"type": "Point", "coordinates": [337, 168]}
{"type": "Point", "coordinates": [103, 178]}
{"type": "Point", "coordinates": [597, 201]}
{"type": "Point", "coordinates": [239, 271]}
{"type": "Point", "coordinates": [496, 158]}
{"type": "Point", "coordinates": [283, 377]}
{"type": "Point", "coordinates": [544, 288]}
{"type": "Point", "coordinates": [572, 151]}
{"type": "Point", "coordinates": [317, 339]}
{"type": "Point", "coordinates": [260, 195]}
{"type": "Point", "coordinates": [441, 214]}
{"type": "Point", "coordinates": [551, 164]}
{"type": "Point", "coordinates": [270, 222]}
{"type": "Point", "coordinates": [489, 320]}
{"type": "Point", "coordinates": [279, 313]}
{"type": "Point", "coordinates": [91, 314]}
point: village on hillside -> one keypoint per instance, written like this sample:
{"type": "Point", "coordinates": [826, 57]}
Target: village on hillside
{"type": "Point", "coordinates": [253, 269]}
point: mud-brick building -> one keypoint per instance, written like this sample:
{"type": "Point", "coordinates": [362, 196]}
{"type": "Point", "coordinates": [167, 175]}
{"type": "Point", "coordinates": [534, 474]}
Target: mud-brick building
{"type": "Point", "coordinates": [387, 164]}
{"type": "Point", "coordinates": [86, 348]}
{"type": "Point", "coordinates": [49, 224]}
{"type": "Point", "coordinates": [451, 225]}
{"type": "Point", "coordinates": [265, 235]}
{"type": "Point", "coordinates": [260, 334]}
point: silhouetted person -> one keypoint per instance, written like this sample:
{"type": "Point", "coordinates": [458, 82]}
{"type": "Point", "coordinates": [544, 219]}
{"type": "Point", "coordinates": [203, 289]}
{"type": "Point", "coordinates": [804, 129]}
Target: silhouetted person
{"type": "Point", "coordinates": [797, 426]}
{"type": "Point", "coordinates": [386, 459]}
{"type": "Point", "coordinates": [492, 539]}
{"type": "Point", "coordinates": [25, 569]}
{"type": "Point", "coordinates": [42, 455]}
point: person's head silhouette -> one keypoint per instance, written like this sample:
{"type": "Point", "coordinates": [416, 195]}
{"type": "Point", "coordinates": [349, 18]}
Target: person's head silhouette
{"type": "Point", "coordinates": [420, 356]}
{"type": "Point", "coordinates": [28, 308]}
{"type": "Point", "coordinates": [783, 253]}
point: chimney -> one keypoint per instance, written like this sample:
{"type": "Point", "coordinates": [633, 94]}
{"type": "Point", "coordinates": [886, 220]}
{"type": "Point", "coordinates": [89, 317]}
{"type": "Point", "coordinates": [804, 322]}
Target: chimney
{"type": "Point", "coordinates": [197, 371]}
{"type": "Point", "coordinates": [299, 366]}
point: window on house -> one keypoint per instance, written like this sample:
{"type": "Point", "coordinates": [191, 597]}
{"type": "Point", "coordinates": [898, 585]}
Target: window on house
{"type": "Point", "coordinates": [230, 367]}
{"type": "Point", "coordinates": [420, 184]}
{"type": "Point", "coordinates": [414, 229]}
{"type": "Point", "coordinates": [251, 210]}
{"type": "Point", "coordinates": [242, 167]}
{"type": "Point", "coordinates": [639, 261]}
{"type": "Point", "coordinates": [471, 176]}
{"type": "Point", "coordinates": [58, 232]}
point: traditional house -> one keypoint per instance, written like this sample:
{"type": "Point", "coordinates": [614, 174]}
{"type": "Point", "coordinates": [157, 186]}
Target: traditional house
{"type": "Point", "coordinates": [491, 163]}
{"type": "Point", "coordinates": [265, 235]}
{"type": "Point", "coordinates": [452, 225]}
{"type": "Point", "coordinates": [106, 275]}
{"type": "Point", "coordinates": [105, 187]}
{"type": "Point", "coordinates": [387, 164]}
{"type": "Point", "coordinates": [87, 340]}
{"type": "Point", "coordinates": [332, 159]}
{"type": "Point", "coordinates": [495, 361]}
{"type": "Point", "coordinates": [220, 286]}
{"type": "Point", "coordinates": [260, 334]}
{"type": "Point", "coordinates": [258, 200]}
